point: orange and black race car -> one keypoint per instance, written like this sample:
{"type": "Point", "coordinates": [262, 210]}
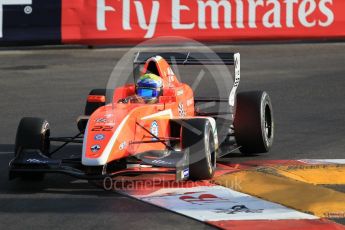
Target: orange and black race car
{"type": "Point", "coordinates": [170, 135]}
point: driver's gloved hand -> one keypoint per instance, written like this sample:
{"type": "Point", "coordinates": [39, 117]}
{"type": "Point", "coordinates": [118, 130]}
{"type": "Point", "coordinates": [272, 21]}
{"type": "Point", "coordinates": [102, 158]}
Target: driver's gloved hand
{"type": "Point", "coordinates": [123, 101]}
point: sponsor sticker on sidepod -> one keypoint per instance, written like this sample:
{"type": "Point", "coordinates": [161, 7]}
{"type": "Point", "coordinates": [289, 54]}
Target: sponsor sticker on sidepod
{"type": "Point", "coordinates": [99, 137]}
{"type": "Point", "coordinates": [95, 148]}
{"type": "Point", "coordinates": [154, 129]}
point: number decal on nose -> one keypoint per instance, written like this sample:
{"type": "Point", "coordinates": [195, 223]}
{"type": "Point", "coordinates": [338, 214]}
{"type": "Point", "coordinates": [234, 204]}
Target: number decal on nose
{"type": "Point", "coordinates": [100, 128]}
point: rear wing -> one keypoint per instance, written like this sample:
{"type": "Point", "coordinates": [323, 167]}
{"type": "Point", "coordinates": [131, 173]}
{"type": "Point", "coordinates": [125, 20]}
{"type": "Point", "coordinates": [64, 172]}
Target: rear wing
{"type": "Point", "coordinates": [190, 58]}
{"type": "Point", "coordinates": [198, 58]}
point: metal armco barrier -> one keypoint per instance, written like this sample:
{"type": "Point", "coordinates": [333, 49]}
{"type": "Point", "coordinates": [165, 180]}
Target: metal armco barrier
{"type": "Point", "coordinates": [132, 21]}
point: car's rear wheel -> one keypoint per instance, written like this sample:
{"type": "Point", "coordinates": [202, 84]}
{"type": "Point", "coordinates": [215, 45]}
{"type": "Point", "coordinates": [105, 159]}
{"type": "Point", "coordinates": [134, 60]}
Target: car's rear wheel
{"type": "Point", "coordinates": [253, 123]}
{"type": "Point", "coordinates": [199, 138]}
{"type": "Point", "coordinates": [32, 133]}
{"type": "Point", "coordinates": [91, 107]}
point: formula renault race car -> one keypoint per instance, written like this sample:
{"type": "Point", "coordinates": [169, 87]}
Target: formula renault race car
{"type": "Point", "coordinates": [128, 136]}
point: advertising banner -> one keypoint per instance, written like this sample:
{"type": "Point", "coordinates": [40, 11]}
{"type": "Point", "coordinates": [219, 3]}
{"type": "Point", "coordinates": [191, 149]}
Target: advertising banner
{"type": "Point", "coordinates": [130, 21]}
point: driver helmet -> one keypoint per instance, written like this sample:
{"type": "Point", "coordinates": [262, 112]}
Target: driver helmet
{"type": "Point", "coordinates": [149, 86]}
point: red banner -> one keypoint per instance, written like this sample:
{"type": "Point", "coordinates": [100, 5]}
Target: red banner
{"type": "Point", "coordinates": [132, 21]}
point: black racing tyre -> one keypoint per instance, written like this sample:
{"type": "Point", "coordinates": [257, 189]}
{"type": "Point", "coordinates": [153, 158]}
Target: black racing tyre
{"type": "Point", "coordinates": [254, 123]}
{"type": "Point", "coordinates": [91, 107]}
{"type": "Point", "coordinates": [32, 133]}
{"type": "Point", "coordinates": [198, 137]}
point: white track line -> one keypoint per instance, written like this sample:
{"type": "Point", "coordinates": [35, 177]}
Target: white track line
{"type": "Point", "coordinates": [217, 203]}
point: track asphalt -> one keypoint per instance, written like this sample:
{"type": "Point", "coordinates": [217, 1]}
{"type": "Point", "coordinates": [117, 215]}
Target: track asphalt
{"type": "Point", "coordinates": [305, 81]}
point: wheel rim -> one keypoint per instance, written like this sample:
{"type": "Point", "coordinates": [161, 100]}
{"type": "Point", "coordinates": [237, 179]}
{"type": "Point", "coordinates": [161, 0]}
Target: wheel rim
{"type": "Point", "coordinates": [45, 139]}
{"type": "Point", "coordinates": [210, 152]}
{"type": "Point", "coordinates": [268, 122]}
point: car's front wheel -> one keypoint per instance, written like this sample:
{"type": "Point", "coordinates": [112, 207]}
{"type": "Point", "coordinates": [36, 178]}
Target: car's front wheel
{"type": "Point", "coordinates": [32, 133]}
{"type": "Point", "coordinates": [200, 139]}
